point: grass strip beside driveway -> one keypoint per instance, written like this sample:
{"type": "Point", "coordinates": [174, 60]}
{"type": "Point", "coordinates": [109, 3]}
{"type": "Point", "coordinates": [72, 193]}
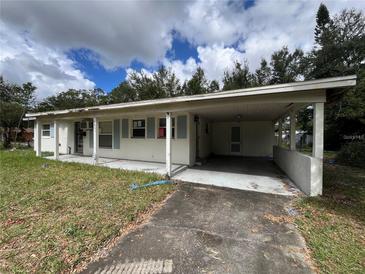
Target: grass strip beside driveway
{"type": "Point", "coordinates": [55, 215]}
{"type": "Point", "coordinates": [334, 224]}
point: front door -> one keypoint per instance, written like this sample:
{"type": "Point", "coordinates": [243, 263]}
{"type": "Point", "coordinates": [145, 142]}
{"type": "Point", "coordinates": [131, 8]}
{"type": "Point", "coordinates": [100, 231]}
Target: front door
{"type": "Point", "coordinates": [79, 134]}
{"type": "Point", "coordinates": [236, 140]}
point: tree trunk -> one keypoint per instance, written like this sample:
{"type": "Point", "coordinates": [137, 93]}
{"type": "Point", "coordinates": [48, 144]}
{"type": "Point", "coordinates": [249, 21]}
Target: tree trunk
{"type": "Point", "coordinates": [7, 137]}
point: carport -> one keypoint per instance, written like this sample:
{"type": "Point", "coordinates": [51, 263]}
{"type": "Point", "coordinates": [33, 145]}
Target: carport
{"type": "Point", "coordinates": [246, 129]}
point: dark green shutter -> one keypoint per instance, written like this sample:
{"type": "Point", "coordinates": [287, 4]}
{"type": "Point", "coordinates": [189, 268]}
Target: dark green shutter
{"type": "Point", "coordinates": [116, 134]}
{"type": "Point", "coordinates": [181, 127]}
{"type": "Point", "coordinates": [151, 127]}
{"type": "Point", "coordinates": [125, 128]}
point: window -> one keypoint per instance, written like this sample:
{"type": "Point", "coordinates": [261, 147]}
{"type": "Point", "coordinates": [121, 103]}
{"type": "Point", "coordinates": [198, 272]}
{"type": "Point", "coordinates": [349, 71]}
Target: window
{"type": "Point", "coordinates": [162, 128]}
{"type": "Point", "coordinates": [106, 134]}
{"type": "Point", "coordinates": [139, 128]}
{"type": "Point", "coordinates": [46, 130]}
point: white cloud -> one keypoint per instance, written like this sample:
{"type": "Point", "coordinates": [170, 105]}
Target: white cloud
{"type": "Point", "coordinates": [214, 60]}
{"type": "Point", "coordinates": [22, 60]}
{"type": "Point", "coordinates": [144, 71]}
{"type": "Point", "coordinates": [118, 32]}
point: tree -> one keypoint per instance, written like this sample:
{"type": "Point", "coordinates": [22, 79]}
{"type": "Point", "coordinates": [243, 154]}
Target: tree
{"type": "Point", "coordinates": [73, 98]}
{"type": "Point", "coordinates": [340, 50]}
{"type": "Point", "coordinates": [123, 93]}
{"type": "Point", "coordinates": [214, 86]}
{"type": "Point", "coordinates": [239, 77]}
{"type": "Point", "coordinates": [166, 82]}
{"type": "Point", "coordinates": [263, 74]}
{"type": "Point", "coordinates": [198, 84]}
{"type": "Point", "coordinates": [15, 101]}
{"type": "Point", "coordinates": [285, 66]}
{"type": "Point", "coordinates": [323, 20]}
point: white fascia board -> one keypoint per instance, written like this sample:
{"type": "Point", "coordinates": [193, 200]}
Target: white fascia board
{"type": "Point", "coordinates": [328, 83]}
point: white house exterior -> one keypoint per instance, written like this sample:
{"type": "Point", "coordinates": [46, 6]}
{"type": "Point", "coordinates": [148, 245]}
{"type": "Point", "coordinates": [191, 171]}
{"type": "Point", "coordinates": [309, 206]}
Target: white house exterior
{"type": "Point", "coordinates": [183, 129]}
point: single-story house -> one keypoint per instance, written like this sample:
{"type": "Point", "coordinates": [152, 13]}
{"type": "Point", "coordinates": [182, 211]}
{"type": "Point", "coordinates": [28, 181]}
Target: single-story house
{"type": "Point", "coordinates": [184, 130]}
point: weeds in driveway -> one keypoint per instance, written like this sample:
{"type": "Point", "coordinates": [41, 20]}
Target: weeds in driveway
{"type": "Point", "coordinates": [55, 215]}
{"type": "Point", "coordinates": [334, 224]}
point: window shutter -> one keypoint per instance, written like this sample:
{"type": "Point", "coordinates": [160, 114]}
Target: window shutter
{"type": "Point", "coordinates": [181, 127]}
{"type": "Point", "coordinates": [51, 130]}
{"type": "Point", "coordinates": [116, 134]}
{"type": "Point", "coordinates": [125, 128]}
{"type": "Point", "coordinates": [91, 138]}
{"type": "Point", "coordinates": [151, 127]}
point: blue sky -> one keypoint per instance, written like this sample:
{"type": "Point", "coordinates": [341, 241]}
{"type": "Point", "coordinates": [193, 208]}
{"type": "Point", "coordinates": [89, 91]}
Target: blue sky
{"type": "Point", "coordinates": [106, 79]}
{"type": "Point", "coordinates": [58, 45]}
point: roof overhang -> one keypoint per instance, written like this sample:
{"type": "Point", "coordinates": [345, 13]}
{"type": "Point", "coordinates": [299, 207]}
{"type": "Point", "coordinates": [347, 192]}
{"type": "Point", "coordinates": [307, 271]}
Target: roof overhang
{"type": "Point", "coordinates": [311, 90]}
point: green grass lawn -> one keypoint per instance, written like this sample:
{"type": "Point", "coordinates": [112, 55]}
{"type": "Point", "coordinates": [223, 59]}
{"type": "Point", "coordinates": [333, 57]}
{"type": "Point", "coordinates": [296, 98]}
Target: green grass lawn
{"type": "Point", "coordinates": [334, 224]}
{"type": "Point", "coordinates": [55, 215]}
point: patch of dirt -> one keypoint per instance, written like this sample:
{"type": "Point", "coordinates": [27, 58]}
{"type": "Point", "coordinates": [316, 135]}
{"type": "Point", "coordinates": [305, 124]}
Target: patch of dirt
{"type": "Point", "coordinates": [142, 219]}
{"type": "Point", "coordinates": [279, 219]}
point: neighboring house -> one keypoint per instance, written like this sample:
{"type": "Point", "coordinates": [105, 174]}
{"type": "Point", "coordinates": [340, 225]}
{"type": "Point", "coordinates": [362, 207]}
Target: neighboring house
{"type": "Point", "coordinates": [237, 122]}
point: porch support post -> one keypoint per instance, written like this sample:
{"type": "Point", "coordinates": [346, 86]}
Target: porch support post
{"type": "Point", "coordinates": [168, 144]}
{"type": "Point", "coordinates": [280, 133]}
{"type": "Point", "coordinates": [318, 121]}
{"type": "Point", "coordinates": [95, 140]}
{"type": "Point", "coordinates": [37, 141]}
{"type": "Point", "coordinates": [292, 130]}
{"type": "Point", "coordinates": [56, 140]}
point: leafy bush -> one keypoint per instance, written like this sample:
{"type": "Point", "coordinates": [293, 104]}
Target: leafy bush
{"type": "Point", "coordinates": [352, 154]}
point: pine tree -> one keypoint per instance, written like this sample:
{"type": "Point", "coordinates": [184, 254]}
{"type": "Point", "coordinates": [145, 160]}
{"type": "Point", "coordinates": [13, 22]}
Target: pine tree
{"type": "Point", "coordinates": [323, 20]}
{"type": "Point", "coordinates": [198, 84]}
{"type": "Point", "coordinates": [239, 77]}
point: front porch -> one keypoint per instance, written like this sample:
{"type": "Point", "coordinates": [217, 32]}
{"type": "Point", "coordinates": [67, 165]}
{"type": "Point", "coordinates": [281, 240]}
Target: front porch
{"type": "Point", "coordinates": [152, 167]}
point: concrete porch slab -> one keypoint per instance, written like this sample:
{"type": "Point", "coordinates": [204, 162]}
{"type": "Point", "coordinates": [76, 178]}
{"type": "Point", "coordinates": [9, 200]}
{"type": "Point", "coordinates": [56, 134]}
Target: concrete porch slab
{"type": "Point", "coordinates": [159, 168]}
{"type": "Point", "coordinates": [244, 173]}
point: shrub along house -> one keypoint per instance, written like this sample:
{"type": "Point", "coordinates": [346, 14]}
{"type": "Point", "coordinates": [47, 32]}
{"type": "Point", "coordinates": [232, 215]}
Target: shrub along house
{"type": "Point", "coordinates": [181, 130]}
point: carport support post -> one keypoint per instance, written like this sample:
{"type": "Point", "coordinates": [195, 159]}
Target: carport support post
{"type": "Point", "coordinates": [56, 140]}
{"type": "Point", "coordinates": [38, 145]}
{"type": "Point", "coordinates": [95, 140]}
{"type": "Point", "coordinates": [292, 130]}
{"type": "Point", "coordinates": [168, 144]}
{"type": "Point", "coordinates": [318, 121]}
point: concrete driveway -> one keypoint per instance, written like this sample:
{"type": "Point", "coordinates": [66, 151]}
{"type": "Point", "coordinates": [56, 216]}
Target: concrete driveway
{"type": "Point", "coordinates": [211, 230]}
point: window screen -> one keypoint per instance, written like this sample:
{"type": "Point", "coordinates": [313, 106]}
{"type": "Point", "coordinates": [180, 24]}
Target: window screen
{"type": "Point", "coordinates": [46, 130]}
{"type": "Point", "coordinates": [106, 134]}
{"type": "Point", "coordinates": [139, 128]}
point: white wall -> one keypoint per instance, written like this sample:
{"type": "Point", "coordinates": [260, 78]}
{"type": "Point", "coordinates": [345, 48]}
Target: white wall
{"type": "Point", "coordinates": [148, 149]}
{"type": "Point", "coordinates": [204, 138]}
{"type": "Point", "coordinates": [303, 170]}
{"type": "Point", "coordinates": [47, 142]}
{"type": "Point", "coordinates": [257, 138]}
{"type": "Point", "coordinates": [192, 138]}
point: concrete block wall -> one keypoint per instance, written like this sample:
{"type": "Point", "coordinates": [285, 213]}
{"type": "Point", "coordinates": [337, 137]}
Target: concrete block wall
{"type": "Point", "coordinates": [305, 171]}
